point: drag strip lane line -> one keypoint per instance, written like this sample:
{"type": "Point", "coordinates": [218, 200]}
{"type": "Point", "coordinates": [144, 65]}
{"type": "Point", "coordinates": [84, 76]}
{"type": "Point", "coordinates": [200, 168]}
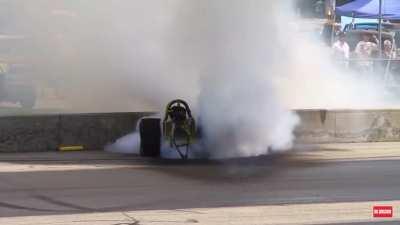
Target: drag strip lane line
{"type": "Point", "coordinates": [27, 168]}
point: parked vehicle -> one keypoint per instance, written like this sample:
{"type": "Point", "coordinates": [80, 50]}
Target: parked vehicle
{"type": "Point", "coordinates": [15, 87]}
{"type": "Point", "coordinates": [15, 84]}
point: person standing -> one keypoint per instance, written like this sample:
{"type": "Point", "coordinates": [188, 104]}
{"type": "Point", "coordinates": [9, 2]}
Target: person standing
{"type": "Point", "coordinates": [389, 53]}
{"type": "Point", "coordinates": [388, 50]}
{"type": "Point", "coordinates": [364, 50]}
{"type": "Point", "coordinates": [341, 50]}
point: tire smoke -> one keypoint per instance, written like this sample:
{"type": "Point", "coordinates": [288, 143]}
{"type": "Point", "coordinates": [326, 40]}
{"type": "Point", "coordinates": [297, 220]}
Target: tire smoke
{"type": "Point", "coordinates": [241, 65]}
{"type": "Point", "coordinates": [231, 55]}
{"type": "Point", "coordinates": [233, 45]}
{"type": "Point", "coordinates": [251, 64]}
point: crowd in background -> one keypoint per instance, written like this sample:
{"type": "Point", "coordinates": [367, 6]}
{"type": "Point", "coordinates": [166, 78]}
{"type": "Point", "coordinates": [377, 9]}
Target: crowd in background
{"type": "Point", "coordinates": [366, 56]}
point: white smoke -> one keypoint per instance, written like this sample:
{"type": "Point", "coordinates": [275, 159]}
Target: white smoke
{"type": "Point", "coordinates": [308, 78]}
{"type": "Point", "coordinates": [234, 57]}
{"type": "Point", "coordinates": [241, 64]}
{"type": "Point", "coordinates": [233, 45]}
{"type": "Point", "coordinates": [253, 65]}
{"type": "Point", "coordinates": [129, 144]}
{"type": "Point", "coordinates": [100, 56]}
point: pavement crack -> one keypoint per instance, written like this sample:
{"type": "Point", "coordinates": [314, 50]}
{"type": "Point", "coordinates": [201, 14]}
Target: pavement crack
{"type": "Point", "coordinates": [134, 221]}
{"type": "Point", "coordinates": [64, 204]}
{"type": "Point", "coordinates": [128, 223]}
{"type": "Point", "coordinates": [189, 211]}
{"type": "Point", "coordinates": [13, 206]}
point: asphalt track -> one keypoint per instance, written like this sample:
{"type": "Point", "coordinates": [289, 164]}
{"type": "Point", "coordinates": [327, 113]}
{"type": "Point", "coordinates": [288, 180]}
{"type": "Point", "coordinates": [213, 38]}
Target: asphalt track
{"type": "Point", "coordinates": [331, 184]}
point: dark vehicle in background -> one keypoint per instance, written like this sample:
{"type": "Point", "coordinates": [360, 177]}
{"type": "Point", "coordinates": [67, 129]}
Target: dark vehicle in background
{"type": "Point", "coordinates": [16, 83]}
{"type": "Point", "coordinates": [392, 28]}
{"type": "Point", "coordinates": [15, 86]}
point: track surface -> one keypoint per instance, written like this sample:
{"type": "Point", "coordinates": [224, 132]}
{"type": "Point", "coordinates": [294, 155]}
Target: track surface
{"type": "Point", "coordinates": [335, 184]}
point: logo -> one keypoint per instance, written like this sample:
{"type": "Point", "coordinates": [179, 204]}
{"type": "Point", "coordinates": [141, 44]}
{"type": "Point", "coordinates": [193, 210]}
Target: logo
{"type": "Point", "coordinates": [383, 211]}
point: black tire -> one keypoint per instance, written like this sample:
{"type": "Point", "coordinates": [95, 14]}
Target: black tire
{"type": "Point", "coordinates": [150, 137]}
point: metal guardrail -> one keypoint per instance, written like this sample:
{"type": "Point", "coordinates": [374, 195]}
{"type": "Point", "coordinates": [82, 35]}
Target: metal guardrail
{"type": "Point", "coordinates": [388, 69]}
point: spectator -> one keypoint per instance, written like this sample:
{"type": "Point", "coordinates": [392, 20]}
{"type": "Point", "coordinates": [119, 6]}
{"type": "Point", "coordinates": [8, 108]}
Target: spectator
{"type": "Point", "coordinates": [364, 50]}
{"type": "Point", "coordinates": [388, 50]}
{"type": "Point", "coordinates": [341, 50]}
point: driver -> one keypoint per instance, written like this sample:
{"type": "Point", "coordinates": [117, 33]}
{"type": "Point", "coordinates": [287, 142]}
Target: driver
{"type": "Point", "coordinates": [178, 114]}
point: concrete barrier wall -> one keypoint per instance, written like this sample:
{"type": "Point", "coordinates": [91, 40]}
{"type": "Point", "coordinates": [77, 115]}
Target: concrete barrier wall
{"type": "Point", "coordinates": [94, 131]}
{"type": "Point", "coordinates": [346, 126]}
{"type": "Point", "coordinates": [48, 132]}
{"type": "Point", "coordinates": [27, 134]}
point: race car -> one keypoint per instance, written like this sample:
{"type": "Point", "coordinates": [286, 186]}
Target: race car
{"type": "Point", "coordinates": [178, 130]}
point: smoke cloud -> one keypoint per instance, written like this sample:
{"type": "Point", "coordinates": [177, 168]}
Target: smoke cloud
{"type": "Point", "coordinates": [111, 55]}
{"type": "Point", "coordinates": [242, 65]}
{"type": "Point", "coordinates": [233, 58]}
{"type": "Point", "coordinates": [233, 46]}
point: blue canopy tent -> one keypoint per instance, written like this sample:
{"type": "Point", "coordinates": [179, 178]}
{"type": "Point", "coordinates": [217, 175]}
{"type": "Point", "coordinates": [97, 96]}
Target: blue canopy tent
{"type": "Point", "coordinates": [370, 9]}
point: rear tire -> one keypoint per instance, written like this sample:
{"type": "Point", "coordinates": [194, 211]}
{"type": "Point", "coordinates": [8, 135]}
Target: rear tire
{"type": "Point", "coordinates": [150, 137]}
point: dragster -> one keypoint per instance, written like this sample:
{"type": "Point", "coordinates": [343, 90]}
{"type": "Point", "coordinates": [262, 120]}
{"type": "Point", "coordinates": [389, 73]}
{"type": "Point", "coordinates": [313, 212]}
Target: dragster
{"type": "Point", "coordinates": [178, 130]}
